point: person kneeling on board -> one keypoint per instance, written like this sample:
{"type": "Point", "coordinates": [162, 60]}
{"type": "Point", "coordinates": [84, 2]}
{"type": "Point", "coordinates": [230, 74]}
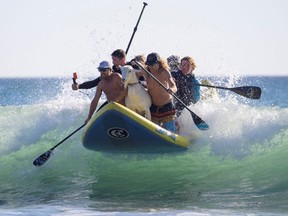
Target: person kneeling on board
{"type": "Point", "coordinates": [111, 84]}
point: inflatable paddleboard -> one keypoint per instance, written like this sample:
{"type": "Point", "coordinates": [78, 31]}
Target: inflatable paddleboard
{"type": "Point", "coordinates": [117, 129]}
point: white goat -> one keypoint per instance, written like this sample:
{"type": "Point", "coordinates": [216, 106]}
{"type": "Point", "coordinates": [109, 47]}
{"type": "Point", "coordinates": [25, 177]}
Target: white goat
{"type": "Point", "coordinates": [137, 98]}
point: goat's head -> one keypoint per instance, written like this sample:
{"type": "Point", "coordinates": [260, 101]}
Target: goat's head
{"type": "Point", "coordinates": [128, 75]}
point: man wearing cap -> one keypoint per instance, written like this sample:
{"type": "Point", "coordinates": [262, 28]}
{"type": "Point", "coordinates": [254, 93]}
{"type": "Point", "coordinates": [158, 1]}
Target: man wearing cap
{"type": "Point", "coordinates": [118, 59]}
{"type": "Point", "coordinates": [162, 109]}
{"type": "Point", "coordinates": [111, 84]}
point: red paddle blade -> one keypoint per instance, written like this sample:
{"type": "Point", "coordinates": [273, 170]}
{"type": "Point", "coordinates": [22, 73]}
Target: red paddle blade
{"type": "Point", "coordinates": [75, 75]}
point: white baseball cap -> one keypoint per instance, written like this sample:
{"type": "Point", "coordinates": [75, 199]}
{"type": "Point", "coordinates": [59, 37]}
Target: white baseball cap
{"type": "Point", "coordinates": [104, 64]}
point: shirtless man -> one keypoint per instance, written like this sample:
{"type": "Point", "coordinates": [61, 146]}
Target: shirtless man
{"type": "Point", "coordinates": [111, 84]}
{"type": "Point", "coordinates": [162, 109]}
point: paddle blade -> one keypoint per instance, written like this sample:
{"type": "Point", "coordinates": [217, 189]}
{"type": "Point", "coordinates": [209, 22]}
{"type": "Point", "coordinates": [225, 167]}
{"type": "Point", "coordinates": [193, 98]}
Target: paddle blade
{"type": "Point", "coordinates": [75, 75]}
{"type": "Point", "coordinates": [42, 158]}
{"type": "Point", "coordinates": [251, 92]}
{"type": "Point", "coordinates": [202, 125]}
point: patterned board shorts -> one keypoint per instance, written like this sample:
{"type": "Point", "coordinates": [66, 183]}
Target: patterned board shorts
{"type": "Point", "coordinates": [164, 116]}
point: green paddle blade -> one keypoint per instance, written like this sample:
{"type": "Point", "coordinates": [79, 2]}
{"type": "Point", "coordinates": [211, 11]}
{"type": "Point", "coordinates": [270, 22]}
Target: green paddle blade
{"type": "Point", "coordinates": [201, 124]}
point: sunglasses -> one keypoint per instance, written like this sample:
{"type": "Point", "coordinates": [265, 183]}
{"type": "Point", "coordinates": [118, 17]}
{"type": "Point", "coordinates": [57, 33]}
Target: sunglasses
{"type": "Point", "coordinates": [102, 69]}
{"type": "Point", "coordinates": [152, 65]}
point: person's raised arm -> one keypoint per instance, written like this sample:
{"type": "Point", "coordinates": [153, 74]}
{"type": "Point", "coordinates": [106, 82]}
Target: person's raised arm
{"type": "Point", "coordinates": [86, 85]}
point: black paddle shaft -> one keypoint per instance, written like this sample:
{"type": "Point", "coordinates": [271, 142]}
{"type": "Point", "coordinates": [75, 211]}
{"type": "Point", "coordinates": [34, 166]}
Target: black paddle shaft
{"type": "Point", "coordinates": [135, 28]}
{"type": "Point", "coordinates": [45, 156]}
{"type": "Point", "coordinates": [200, 123]}
{"type": "Point", "coordinates": [67, 137]}
{"type": "Point", "coordinates": [252, 92]}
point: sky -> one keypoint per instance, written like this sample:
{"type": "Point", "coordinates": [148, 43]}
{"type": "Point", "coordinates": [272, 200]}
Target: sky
{"type": "Point", "coordinates": [54, 38]}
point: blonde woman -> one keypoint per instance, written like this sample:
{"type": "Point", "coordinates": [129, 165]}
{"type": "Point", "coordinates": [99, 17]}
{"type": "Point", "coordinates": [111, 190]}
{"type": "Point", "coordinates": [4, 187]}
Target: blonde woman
{"type": "Point", "coordinates": [185, 78]}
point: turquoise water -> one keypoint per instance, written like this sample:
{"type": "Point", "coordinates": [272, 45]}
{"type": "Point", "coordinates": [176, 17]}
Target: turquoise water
{"type": "Point", "coordinates": [238, 167]}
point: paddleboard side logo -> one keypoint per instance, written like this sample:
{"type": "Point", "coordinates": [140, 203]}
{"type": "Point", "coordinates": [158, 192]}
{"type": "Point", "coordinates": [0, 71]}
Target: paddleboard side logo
{"type": "Point", "coordinates": [117, 133]}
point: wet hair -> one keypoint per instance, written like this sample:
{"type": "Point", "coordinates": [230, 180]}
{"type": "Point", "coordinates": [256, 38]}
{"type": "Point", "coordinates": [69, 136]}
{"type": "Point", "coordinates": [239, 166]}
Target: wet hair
{"type": "Point", "coordinates": [163, 64]}
{"type": "Point", "coordinates": [140, 58]}
{"type": "Point", "coordinates": [190, 60]}
{"type": "Point", "coordinates": [119, 53]}
{"type": "Point", "coordinates": [154, 58]}
{"type": "Point", "coordinates": [174, 62]}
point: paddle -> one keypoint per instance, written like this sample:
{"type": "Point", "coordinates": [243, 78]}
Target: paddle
{"type": "Point", "coordinates": [75, 77]}
{"type": "Point", "coordinates": [135, 28]}
{"type": "Point", "coordinates": [252, 92]}
{"type": "Point", "coordinates": [201, 124]}
{"type": "Point", "coordinates": [45, 156]}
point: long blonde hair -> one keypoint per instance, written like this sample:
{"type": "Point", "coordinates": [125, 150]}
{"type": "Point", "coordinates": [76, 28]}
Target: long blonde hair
{"type": "Point", "coordinates": [140, 58]}
{"type": "Point", "coordinates": [163, 64]}
{"type": "Point", "coordinates": [190, 60]}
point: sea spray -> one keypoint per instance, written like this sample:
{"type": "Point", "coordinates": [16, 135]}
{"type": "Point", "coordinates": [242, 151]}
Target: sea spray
{"type": "Point", "coordinates": [240, 163]}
